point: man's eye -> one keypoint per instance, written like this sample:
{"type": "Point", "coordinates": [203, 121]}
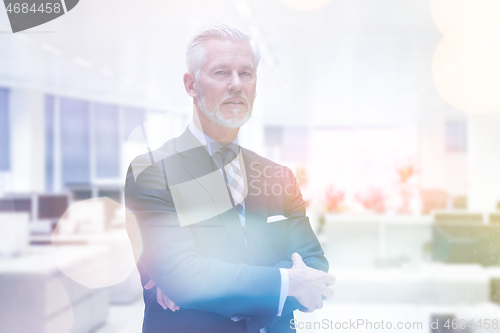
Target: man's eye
{"type": "Point", "coordinates": [219, 72]}
{"type": "Point", "coordinates": [246, 73]}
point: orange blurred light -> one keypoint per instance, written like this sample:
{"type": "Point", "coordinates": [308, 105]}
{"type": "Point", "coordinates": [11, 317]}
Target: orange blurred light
{"type": "Point", "coordinates": [449, 73]}
{"type": "Point", "coordinates": [465, 68]}
{"type": "Point", "coordinates": [484, 73]}
{"type": "Point", "coordinates": [465, 20]}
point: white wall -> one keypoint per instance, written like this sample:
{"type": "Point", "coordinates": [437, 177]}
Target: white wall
{"type": "Point", "coordinates": [27, 140]}
{"type": "Point", "coordinates": [440, 169]}
{"type": "Point", "coordinates": [484, 161]}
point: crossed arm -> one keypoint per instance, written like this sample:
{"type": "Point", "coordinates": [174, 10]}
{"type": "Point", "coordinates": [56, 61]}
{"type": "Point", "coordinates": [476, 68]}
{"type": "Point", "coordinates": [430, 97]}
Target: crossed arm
{"type": "Point", "coordinates": [170, 257]}
{"type": "Point", "coordinates": [300, 274]}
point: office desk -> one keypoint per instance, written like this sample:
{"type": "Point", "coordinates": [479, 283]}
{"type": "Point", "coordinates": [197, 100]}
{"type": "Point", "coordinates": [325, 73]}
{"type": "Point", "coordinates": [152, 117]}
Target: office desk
{"type": "Point", "coordinates": [37, 297]}
{"type": "Point", "coordinates": [368, 240]}
{"type": "Point", "coordinates": [431, 284]}
{"type": "Point", "coordinates": [122, 274]}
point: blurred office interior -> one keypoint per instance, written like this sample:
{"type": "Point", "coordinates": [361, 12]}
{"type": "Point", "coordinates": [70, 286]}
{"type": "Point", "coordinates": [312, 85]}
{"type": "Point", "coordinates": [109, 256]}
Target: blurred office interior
{"type": "Point", "coordinates": [387, 111]}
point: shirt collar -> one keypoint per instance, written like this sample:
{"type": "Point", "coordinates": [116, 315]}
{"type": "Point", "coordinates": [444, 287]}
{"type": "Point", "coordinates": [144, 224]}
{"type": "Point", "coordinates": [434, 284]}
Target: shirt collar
{"type": "Point", "coordinates": [210, 144]}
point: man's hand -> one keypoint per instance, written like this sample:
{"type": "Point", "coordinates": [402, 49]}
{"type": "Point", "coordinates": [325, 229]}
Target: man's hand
{"type": "Point", "coordinates": [163, 300]}
{"type": "Point", "coordinates": [309, 285]}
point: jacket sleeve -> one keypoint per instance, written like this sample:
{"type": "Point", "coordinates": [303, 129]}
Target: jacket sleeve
{"type": "Point", "coordinates": [170, 257]}
{"type": "Point", "coordinates": [301, 237]}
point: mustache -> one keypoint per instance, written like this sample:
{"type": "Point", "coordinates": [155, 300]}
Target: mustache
{"type": "Point", "coordinates": [236, 95]}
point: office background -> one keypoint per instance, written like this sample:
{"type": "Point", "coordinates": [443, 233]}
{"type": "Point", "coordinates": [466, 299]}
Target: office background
{"type": "Point", "coordinates": [387, 111]}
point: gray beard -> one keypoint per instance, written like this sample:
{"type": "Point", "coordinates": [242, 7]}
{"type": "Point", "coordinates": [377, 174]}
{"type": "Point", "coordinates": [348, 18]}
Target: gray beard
{"type": "Point", "coordinates": [216, 116]}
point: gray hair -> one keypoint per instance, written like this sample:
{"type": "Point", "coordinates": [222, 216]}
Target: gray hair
{"type": "Point", "coordinates": [195, 52]}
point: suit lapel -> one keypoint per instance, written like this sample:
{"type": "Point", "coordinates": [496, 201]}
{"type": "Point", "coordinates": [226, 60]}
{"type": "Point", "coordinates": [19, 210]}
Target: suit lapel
{"type": "Point", "coordinates": [255, 204]}
{"type": "Point", "coordinates": [195, 158]}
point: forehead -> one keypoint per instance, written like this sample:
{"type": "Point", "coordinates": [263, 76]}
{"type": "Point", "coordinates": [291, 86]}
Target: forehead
{"type": "Point", "coordinates": [228, 52]}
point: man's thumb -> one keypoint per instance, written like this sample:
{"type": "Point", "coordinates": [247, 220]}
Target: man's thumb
{"type": "Point", "coordinates": [150, 284]}
{"type": "Point", "coordinates": [296, 259]}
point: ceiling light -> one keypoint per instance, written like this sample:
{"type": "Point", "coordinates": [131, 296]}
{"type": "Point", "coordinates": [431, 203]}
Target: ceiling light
{"type": "Point", "coordinates": [305, 4]}
{"type": "Point", "coordinates": [83, 62]}
{"type": "Point", "coordinates": [51, 49]}
{"type": "Point", "coordinates": [243, 8]}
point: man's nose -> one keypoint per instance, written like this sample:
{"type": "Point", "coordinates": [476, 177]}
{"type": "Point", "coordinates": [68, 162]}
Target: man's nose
{"type": "Point", "coordinates": [235, 82]}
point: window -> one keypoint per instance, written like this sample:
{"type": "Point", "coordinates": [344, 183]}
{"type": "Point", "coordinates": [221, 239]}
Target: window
{"type": "Point", "coordinates": [132, 118]}
{"type": "Point", "coordinates": [456, 136]}
{"type": "Point", "coordinates": [106, 127]}
{"type": "Point", "coordinates": [83, 141]}
{"type": "Point", "coordinates": [4, 131]}
{"type": "Point", "coordinates": [75, 143]}
{"type": "Point", "coordinates": [296, 144]}
{"type": "Point", "coordinates": [49, 142]}
{"type": "Point", "coordinates": [288, 144]}
{"type": "Point", "coordinates": [273, 135]}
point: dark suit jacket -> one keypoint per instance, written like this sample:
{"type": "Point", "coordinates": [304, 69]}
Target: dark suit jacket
{"type": "Point", "coordinates": [193, 246]}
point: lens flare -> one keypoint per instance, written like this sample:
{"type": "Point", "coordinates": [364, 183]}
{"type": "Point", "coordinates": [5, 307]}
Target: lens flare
{"type": "Point", "coordinates": [99, 226]}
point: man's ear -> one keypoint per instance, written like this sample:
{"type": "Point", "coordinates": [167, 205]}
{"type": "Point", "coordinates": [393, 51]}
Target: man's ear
{"type": "Point", "coordinates": [255, 93]}
{"type": "Point", "coordinates": [190, 84]}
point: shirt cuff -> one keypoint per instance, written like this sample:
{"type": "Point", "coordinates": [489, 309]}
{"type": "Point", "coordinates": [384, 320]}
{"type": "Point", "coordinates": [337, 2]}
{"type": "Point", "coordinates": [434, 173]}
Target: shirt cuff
{"type": "Point", "coordinates": [285, 284]}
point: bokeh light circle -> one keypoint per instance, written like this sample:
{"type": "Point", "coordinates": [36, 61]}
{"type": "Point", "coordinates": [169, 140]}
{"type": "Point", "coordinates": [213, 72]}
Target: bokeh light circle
{"type": "Point", "coordinates": [465, 68]}
{"type": "Point", "coordinates": [105, 252]}
{"type": "Point", "coordinates": [465, 20]}
{"type": "Point", "coordinates": [449, 73]}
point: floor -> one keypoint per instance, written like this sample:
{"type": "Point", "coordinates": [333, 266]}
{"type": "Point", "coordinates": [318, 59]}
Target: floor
{"type": "Point", "coordinates": [345, 318]}
{"type": "Point", "coordinates": [124, 318]}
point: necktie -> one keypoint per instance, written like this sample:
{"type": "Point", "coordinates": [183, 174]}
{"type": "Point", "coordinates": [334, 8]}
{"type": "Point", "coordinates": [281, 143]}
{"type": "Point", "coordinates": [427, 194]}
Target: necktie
{"type": "Point", "coordinates": [236, 185]}
{"type": "Point", "coordinates": [234, 181]}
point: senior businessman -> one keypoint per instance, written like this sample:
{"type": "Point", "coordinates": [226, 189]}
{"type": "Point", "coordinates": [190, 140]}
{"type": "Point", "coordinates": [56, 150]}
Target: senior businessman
{"type": "Point", "coordinates": [226, 245]}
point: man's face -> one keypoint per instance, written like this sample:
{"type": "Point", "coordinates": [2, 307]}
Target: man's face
{"type": "Point", "coordinates": [226, 82]}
